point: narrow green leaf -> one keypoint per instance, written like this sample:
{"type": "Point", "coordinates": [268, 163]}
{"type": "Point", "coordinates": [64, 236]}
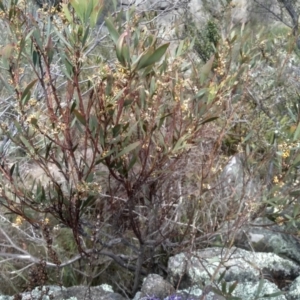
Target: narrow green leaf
{"type": "Point", "coordinates": [232, 287]}
{"type": "Point", "coordinates": [151, 57]}
{"type": "Point", "coordinates": [273, 295]}
{"type": "Point", "coordinates": [93, 125]}
{"type": "Point", "coordinates": [116, 130]}
{"type": "Point", "coordinates": [206, 69]}
{"type": "Point", "coordinates": [73, 106]}
{"type": "Point", "coordinates": [27, 90]}
{"type": "Point", "coordinates": [210, 119]}
{"type": "Point", "coordinates": [201, 93]}
{"type": "Point", "coordinates": [50, 50]}
{"type": "Point", "coordinates": [62, 39]}
{"type": "Point", "coordinates": [37, 37]}
{"type": "Point", "coordinates": [35, 57]}
{"type": "Point", "coordinates": [152, 86]}
{"type": "Point", "coordinates": [296, 161]}
{"type": "Point", "coordinates": [120, 49]}
{"type": "Point", "coordinates": [11, 171]}
{"type": "Point", "coordinates": [179, 49]}
{"type": "Point", "coordinates": [112, 30]}
{"type": "Point", "coordinates": [259, 288]}
{"type": "Point", "coordinates": [297, 133]}
{"type": "Point", "coordinates": [128, 149]}
{"type": "Point", "coordinates": [162, 119]}
{"type": "Point", "coordinates": [88, 202]}
{"type": "Point", "coordinates": [26, 143]}
{"type": "Point", "coordinates": [79, 7]}
{"type": "Point", "coordinates": [224, 287]}
{"type": "Point", "coordinates": [85, 36]}
{"type": "Point", "coordinates": [79, 117]}
{"type": "Point", "coordinates": [222, 276]}
{"type": "Point", "coordinates": [48, 148]}
{"type": "Point", "coordinates": [132, 162]}
{"type": "Point", "coordinates": [69, 67]}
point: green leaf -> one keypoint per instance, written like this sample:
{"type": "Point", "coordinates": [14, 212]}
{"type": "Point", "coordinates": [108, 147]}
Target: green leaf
{"type": "Point", "coordinates": [40, 195]}
{"type": "Point", "coordinates": [151, 57]}
{"type": "Point", "coordinates": [206, 70]}
{"type": "Point", "coordinates": [222, 276]}
{"type": "Point", "coordinates": [128, 149]}
{"type": "Point", "coordinates": [35, 57]}
{"type": "Point", "coordinates": [11, 171]}
{"type": "Point", "coordinates": [121, 50]}
{"type": "Point", "coordinates": [88, 202]}
{"type": "Point", "coordinates": [297, 133]}
{"type": "Point", "coordinates": [207, 120]}
{"type": "Point", "coordinates": [93, 125]}
{"type": "Point", "coordinates": [116, 130]}
{"type": "Point", "coordinates": [200, 93]}
{"type": "Point", "coordinates": [132, 162]}
{"type": "Point", "coordinates": [179, 49]}
{"type": "Point", "coordinates": [85, 36]}
{"type": "Point", "coordinates": [152, 86]}
{"type": "Point", "coordinates": [224, 287]}
{"type": "Point", "coordinates": [80, 117]}
{"type": "Point", "coordinates": [273, 295]}
{"type": "Point", "coordinates": [96, 10]}
{"type": "Point", "coordinates": [66, 12]}
{"type": "Point", "coordinates": [48, 148]}
{"type": "Point", "coordinates": [50, 50]}
{"type": "Point", "coordinates": [162, 119]}
{"type": "Point", "coordinates": [27, 91]}
{"type": "Point", "coordinates": [62, 39]}
{"type": "Point", "coordinates": [259, 288]}
{"type": "Point", "coordinates": [79, 7]}
{"type": "Point", "coordinates": [232, 287]}
{"type": "Point", "coordinates": [37, 36]}
{"type": "Point", "coordinates": [69, 67]}
{"type": "Point", "coordinates": [112, 30]}
{"type": "Point", "coordinates": [180, 144]}
{"type": "Point", "coordinates": [26, 143]}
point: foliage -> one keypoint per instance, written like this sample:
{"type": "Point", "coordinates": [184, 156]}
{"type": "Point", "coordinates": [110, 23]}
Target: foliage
{"type": "Point", "coordinates": [206, 39]}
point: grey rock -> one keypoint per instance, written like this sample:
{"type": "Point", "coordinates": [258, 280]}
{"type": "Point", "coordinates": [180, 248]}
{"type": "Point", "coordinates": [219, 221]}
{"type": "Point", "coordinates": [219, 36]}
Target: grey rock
{"type": "Point", "coordinates": [294, 290]}
{"type": "Point", "coordinates": [264, 235]}
{"type": "Point", "coordinates": [244, 290]}
{"type": "Point", "coordinates": [235, 265]}
{"type": "Point", "coordinates": [103, 292]}
{"type": "Point", "coordinates": [155, 285]}
{"type": "Point", "coordinates": [236, 184]}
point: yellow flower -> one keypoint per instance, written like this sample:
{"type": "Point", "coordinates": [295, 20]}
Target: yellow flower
{"type": "Point", "coordinates": [18, 222]}
{"type": "Point", "coordinates": [286, 153]}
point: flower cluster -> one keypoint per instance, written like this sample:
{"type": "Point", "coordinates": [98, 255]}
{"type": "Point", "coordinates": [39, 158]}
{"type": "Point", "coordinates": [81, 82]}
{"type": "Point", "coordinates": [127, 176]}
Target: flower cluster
{"type": "Point", "coordinates": [18, 222]}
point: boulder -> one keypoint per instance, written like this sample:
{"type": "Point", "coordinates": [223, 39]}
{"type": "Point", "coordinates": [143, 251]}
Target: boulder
{"type": "Point", "coordinates": [263, 235]}
{"type": "Point", "coordinates": [102, 292]}
{"type": "Point", "coordinates": [251, 272]}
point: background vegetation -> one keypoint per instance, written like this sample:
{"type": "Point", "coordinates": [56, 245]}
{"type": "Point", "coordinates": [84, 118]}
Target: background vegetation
{"type": "Point", "coordinates": [114, 140]}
